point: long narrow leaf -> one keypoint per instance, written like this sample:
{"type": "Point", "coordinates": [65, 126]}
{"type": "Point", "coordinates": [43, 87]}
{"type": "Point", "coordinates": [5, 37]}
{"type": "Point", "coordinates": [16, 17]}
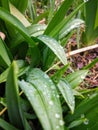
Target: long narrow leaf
{"type": "Point", "coordinates": [48, 99]}
{"type": "Point", "coordinates": [55, 47]}
{"type": "Point", "coordinates": [86, 110]}
{"type": "Point", "coordinates": [4, 54]}
{"type": "Point", "coordinates": [76, 78]}
{"type": "Point", "coordinates": [12, 98]}
{"type": "Point", "coordinates": [75, 23]}
{"type": "Point", "coordinates": [55, 30]}
{"type": "Point", "coordinates": [6, 126]}
{"type": "Point", "coordinates": [22, 70]}
{"type": "Point", "coordinates": [36, 102]}
{"type": "Point", "coordinates": [34, 30]}
{"type": "Point", "coordinates": [6, 16]}
{"type": "Point", "coordinates": [20, 4]}
{"type": "Point", "coordinates": [19, 15]}
{"type": "Point", "coordinates": [67, 93]}
{"type": "Point", "coordinates": [59, 16]}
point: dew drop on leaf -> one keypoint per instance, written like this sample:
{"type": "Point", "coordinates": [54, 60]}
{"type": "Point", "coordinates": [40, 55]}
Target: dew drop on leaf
{"type": "Point", "coordinates": [61, 122]}
{"type": "Point", "coordinates": [57, 127]}
{"type": "Point", "coordinates": [82, 77]}
{"type": "Point", "coordinates": [82, 115]}
{"type": "Point", "coordinates": [57, 115]}
{"type": "Point", "coordinates": [86, 121]}
{"type": "Point", "coordinates": [50, 102]}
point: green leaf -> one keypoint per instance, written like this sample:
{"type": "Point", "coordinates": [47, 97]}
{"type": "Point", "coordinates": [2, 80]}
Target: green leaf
{"type": "Point", "coordinates": [36, 102]}
{"type": "Point", "coordinates": [91, 64]}
{"type": "Point", "coordinates": [55, 30]}
{"type": "Point", "coordinates": [75, 123]}
{"type": "Point", "coordinates": [51, 9]}
{"type": "Point", "coordinates": [91, 31]}
{"type": "Point", "coordinates": [13, 21]}
{"type": "Point", "coordinates": [59, 16]}
{"type": "Point", "coordinates": [6, 126]}
{"type": "Point", "coordinates": [75, 23]}
{"type": "Point", "coordinates": [42, 94]}
{"type": "Point", "coordinates": [5, 4]}
{"type": "Point", "coordinates": [34, 30]}
{"type": "Point", "coordinates": [76, 78]}
{"type": "Point", "coordinates": [20, 4]}
{"type": "Point", "coordinates": [12, 98]}
{"type": "Point", "coordinates": [4, 54]}
{"type": "Point", "coordinates": [55, 47]}
{"type": "Point", "coordinates": [22, 70]}
{"type": "Point", "coordinates": [15, 12]}
{"type": "Point", "coordinates": [87, 110]}
{"type": "Point", "coordinates": [67, 93]}
{"type": "Point", "coordinates": [58, 75]}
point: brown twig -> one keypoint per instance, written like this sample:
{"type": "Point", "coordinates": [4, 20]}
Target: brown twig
{"type": "Point", "coordinates": [81, 50]}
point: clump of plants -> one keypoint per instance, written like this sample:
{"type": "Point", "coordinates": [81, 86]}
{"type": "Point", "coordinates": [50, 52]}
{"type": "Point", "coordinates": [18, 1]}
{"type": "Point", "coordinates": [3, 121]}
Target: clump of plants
{"type": "Point", "coordinates": [32, 95]}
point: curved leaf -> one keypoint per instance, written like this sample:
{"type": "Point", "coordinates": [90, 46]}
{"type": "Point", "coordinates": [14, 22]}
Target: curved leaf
{"type": "Point", "coordinates": [15, 12]}
{"type": "Point", "coordinates": [12, 98]}
{"type": "Point", "coordinates": [20, 4]}
{"type": "Point", "coordinates": [59, 16]}
{"type": "Point", "coordinates": [42, 92]}
{"type": "Point", "coordinates": [55, 47]}
{"type": "Point", "coordinates": [6, 126]}
{"type": "Point", "coordinates": [75, 23]}
{"type": "Point", "coordinates": [55, 30]}
{"type": "Point", "coordinates": [36, 102]}
{"type": "Point", "coordinates": [34, 30]}
{"type": "Point", "coordinates": [22, 70]}
{"type": "Point", "coordinates": [76, 78]}
{"type": "Point", "coordinates": [4, 54]}
{"type": "Point", "coordinates": [67, 93]}
{"type": "Point", "coordinates": [87, 109]}
{"type": "Point", "coordinates": [6, 16]}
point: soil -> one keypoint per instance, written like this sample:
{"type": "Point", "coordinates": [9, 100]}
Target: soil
{"type": "Point", "coordinates": [80, 60]}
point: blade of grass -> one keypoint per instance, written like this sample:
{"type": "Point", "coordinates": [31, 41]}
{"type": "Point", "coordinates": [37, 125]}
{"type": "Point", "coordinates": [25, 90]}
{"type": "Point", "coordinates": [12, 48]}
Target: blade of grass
{"type": "Point", "coordinates": [66, 90]}
{"type": "Point", "coordinates": [20, 4]}
{"type": "Point", "coordinates": [55, 47]}
{"type": "Point", "coordinates": [4, 54]}
{"type": "Point", "coordinates": [55, 30]}
{"type": "Point", "coordinates": [6, 126]}
{"type": "Point", "coordinates": [6, 16]}
{"type": "Point", "coordinates": [12, 98]}
{"type": "Point", "coordinates": [59, 16]}
{"type": "Point", "coordinates": [76, 78]}
{"type": "Point", "coordinates": [15, 12]}
{"type": "Point", "coordinates": [48, 93]}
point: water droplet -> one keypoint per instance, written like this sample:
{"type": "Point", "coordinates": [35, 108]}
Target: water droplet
{"type": "Point", "coordinates": [58, 96]}
{"type": "Point", "coordinates": [82, 77]}
{"type": "Point", "coordinates": [45, 86]}
{"type": "Point", "coordinates": [30, 91]}
{"type": "Point", "coordinates": [51, 102]}
{"type": "Point", "coordinates": [73, 102]}
{"type": "Point", "coordinates": [44, 93]}
{"type": "Point", "coordinates": [86, 121]}
{"type": "Point", "coordinates": [38, 29]}
{"type": "Point", "coordinates": [82, 115]}
{"type": "Point", "coordinates": [61, 122]}
{"type": "Point", "coordinates": [46, 76]}
{"type": "Point", "coordinates": [57, 115]}
{"type": "Point", "coordinates": [57, 127]}
{"type": "Point", "coordinates": [86, 0]}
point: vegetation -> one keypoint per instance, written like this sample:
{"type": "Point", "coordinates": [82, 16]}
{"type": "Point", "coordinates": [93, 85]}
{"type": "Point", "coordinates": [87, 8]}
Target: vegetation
{"type": "Point", "coordinates": [36, 90]}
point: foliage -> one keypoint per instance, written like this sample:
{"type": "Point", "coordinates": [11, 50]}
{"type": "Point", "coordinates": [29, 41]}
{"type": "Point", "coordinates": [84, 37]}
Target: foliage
{"type": "Point", "coordinates": [91, 22]}
{"type": "Point", "coordinates": [28, 91]}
